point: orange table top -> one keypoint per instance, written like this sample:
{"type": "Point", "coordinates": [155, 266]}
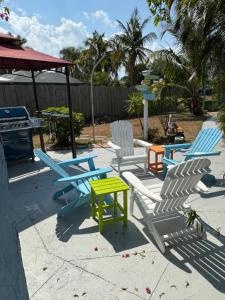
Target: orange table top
{"type": "Point", "coordinates": [157, 148]}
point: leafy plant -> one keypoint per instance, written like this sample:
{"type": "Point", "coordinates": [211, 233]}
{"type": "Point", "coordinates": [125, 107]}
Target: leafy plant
{"type": "Point", "coordinates": [192, 215]}
{"type": "Point", "coordinates": [4, 11]}
{"type": "Point", "coordinates": [61, 125]}
{"type": "Point", "coordinates": [101, 79]}
{"type": "Point", "coordinates": [153, 134]}
{"type": "Point", "coordinates": [135, 106]}
{"type": "Point", "coordinates": [194, 219]}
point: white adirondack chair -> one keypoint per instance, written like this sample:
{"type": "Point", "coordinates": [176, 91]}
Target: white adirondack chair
{"type": "Point", "coordinates": [166, 201]}
{"type": "Point", "coordinates": [123, 144]}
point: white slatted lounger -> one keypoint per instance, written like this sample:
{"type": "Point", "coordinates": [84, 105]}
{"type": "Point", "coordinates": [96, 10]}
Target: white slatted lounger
{"type": "Point", "coordinates": [123, 144]}
{"type": "Point", "coordinates": [166, 200]}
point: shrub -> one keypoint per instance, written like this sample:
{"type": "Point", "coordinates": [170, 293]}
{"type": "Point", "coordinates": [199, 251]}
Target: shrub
{"type": "Point", "coordinates": [135, 106]}
{"type": "Point", "coordinates": [61, 125]}
{"type": "Point", "coordinates": [153, 134]}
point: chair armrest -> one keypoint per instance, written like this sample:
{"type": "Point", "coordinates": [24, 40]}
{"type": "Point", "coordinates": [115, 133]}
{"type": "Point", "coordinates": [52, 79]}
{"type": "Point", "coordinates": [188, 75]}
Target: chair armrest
{"type": "Point", "coordinates": [168, 148]}
{"type": "Point", "coordinates": [77, 161]}
{"type": "Point", "coordinates": [115, 147]}
{"type": "Point", "coordinates": [199, 154]}
{"type": "Point", "coordinates": [85, 175]}
{"type": "Point", "coordinates": [177, 146]}
{"type": "Point", "coordinates": [169, 161]}
{"type": "Point", "coordinates": [138, 185]}
{"type": "Point", "coordinates": [202, 187]}
{"type": "Point", "coordinates": [141, 143]}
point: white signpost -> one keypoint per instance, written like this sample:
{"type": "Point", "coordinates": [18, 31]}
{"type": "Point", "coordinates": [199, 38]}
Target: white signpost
{"type": "Point", "coordinates": [147, 96]}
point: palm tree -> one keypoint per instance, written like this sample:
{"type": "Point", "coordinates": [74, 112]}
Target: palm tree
{"type": "Point", "coordinates": [117, 55]}
{"type": "Point", "coordinates": [73, 54]}
{"type": "Point", "coordinates": [179, 75]}
{"type": "Point", "coordinates": [198, 42]}
{"type": "Point", "coordinates": [133, 43]}
{"type": "Point", "coordinates": [208, 19]}
{"type": "Point", "coordinates": [199, 27]}
{"type": "Point", "coordinates": [21, 41]}
{"type": "Point", "coordinates": [96, 47]}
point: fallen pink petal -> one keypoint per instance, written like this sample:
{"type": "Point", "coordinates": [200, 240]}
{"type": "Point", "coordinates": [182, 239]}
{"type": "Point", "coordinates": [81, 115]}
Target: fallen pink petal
{"type": "Point", "coordinates": [148, 290]}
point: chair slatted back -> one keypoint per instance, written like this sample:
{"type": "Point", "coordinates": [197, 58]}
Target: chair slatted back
{"type": "Point", "coordinates": [180, 182]}
{"type": "Point", "coordinates": [206, 140]}
{"type": "Point", "coordinates": [122, 136]}
{"type": "Point", "coordinates": [55, 167]}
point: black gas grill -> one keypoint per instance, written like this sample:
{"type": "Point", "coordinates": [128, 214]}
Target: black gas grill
{"type": "Point", "coordinates": [16, 131]}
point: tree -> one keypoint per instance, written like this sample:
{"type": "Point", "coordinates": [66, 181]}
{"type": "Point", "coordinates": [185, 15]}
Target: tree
{"type": "Point", "coordinates": [199, 27]}
{"type": "Point", "coordinates": [179, 75]}
{"type": "Point", "coordinates": [4, 11]}
{"type": "Point", "coordinates": [161, 9]}
{"type": "Point", "coordinates": [73, 54]}
{"type": "Point", "coordinates": [101, 79]}
{"type": "Point", "coordinates": [133, 43]}
{"type": "Point", "coordinates": [21, 41]}
{"type": "Point", "coordinates": [117, 55]}
{"type": "Point", "coordinates": [135, 106]}
{"type": "Point", "coordinates": [96, 47]}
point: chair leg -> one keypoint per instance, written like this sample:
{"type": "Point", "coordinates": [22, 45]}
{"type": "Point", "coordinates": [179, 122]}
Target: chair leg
{"type": "Point", "coordinates": [119, 169]}
{"type": "Point", "coordinates": [62, 192]}
{"type": "Point", "coordinates": [200, 229]}
{"type": "Point", "coordinates": [145, 167]}
{"type": "Point", "coordinates": [72, 205]}
{"type": "Point", "coordinates": [156, 235]}
{"type": "Point", "coordinates": [131, 201]}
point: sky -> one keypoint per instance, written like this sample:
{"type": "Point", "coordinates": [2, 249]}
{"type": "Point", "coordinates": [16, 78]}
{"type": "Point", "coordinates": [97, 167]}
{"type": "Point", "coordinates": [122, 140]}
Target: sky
{"type": "Point", "coordinates": [50, 25]}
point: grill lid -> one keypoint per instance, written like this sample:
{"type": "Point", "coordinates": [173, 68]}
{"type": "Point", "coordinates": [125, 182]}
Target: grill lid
{"type": "Point", "coordinates": [9, 114]}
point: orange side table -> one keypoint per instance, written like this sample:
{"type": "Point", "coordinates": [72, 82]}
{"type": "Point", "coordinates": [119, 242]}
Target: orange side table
{"type": "Point", "coordinates": [157, 165]}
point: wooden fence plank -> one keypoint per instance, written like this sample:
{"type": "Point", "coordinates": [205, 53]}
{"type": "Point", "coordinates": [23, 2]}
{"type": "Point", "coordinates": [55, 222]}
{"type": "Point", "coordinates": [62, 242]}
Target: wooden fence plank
{"type": "Point", "coordinates": [108, 101]}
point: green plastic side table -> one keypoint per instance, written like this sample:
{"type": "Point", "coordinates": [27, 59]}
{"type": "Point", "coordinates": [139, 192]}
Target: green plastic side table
{"type": "Point", "coordinates": [107, 186]}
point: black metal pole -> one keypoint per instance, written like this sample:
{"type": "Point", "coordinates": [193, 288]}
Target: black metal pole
{"type": "Point", "coordinates": [73, 142]}
{"type": "Point", "coordinates": [38, 113]}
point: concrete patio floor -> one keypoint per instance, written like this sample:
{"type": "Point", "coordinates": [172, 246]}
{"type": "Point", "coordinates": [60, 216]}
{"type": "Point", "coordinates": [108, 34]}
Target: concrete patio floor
{"type": "Point", "coordinates": [68, 258]}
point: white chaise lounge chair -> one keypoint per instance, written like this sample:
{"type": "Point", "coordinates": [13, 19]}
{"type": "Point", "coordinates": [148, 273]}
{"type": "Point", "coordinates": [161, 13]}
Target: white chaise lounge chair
{"type": "Point", "coordinates": [123, 144]}
{"type": "Point", "coordinates": [166, 201]}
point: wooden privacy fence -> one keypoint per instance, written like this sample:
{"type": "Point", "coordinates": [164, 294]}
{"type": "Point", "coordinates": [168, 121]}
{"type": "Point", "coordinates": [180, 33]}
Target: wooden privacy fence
{"type": "Point", "coordinates": [108, 101]}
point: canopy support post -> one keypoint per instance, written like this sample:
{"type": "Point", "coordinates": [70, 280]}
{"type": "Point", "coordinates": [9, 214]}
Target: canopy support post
{"type": "Point", "coordinates": [38, 113]}
{"type": "Point", "coordinates": [72, 136]}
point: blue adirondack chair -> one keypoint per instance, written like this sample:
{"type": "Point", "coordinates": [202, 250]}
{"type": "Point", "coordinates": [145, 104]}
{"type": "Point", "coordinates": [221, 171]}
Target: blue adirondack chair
{"type": "Point", "coordinates": [78, 182]}
{"type": "Point", "coordinates": [203, 146]}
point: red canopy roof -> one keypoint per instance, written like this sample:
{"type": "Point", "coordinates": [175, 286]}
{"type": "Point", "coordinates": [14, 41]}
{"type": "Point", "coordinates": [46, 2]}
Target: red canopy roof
{"type": "Point", "coordinates": [16, 57]}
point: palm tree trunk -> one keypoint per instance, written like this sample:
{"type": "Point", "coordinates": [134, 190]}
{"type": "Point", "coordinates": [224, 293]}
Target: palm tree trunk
{"type": "Point", "coordinates": [142, 127]}
{"type": "Point", "coordinates": [196, 107]}
{"type": "Point", "coordinates": [203, 94]}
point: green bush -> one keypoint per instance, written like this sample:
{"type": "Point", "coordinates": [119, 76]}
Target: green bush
{"type": "Point", "coordinates": [61, 125]}
{"type": "Point", "coordinates": [153, 134]}
{"type": "Point", "coordinates": [135, 106]}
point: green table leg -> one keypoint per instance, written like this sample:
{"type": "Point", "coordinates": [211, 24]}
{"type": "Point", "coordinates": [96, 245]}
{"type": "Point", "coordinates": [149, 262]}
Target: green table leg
{"type": "Point", "coordinates": [115, 204]}
{"type": "Point", "coordinates": [100, 214]}
{"type": "Point", "coordinates": [93, 203]}
{"type": "Point", "coordinates": [125, 208]}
